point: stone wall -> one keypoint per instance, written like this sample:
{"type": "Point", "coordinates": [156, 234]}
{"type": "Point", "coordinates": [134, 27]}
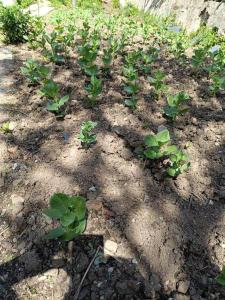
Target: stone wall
{"type": "Point", "coordinates": [189, 13]}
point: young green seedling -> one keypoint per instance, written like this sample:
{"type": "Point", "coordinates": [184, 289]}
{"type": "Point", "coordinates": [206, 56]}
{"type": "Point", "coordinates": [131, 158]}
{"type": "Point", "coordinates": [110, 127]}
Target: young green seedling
{"type": "Point", "coordinates": [107, 58]}
{"type": "Point", "coordinates": [132, 87]}
{"type": "Point", "coordinates": [94, 88]}
{"type": "Point", "coordinates": [86, 135]}
{"type": "Point", "coordinates": [198, 58]}
{"type": "Point", "coordinates": [34, 72]}
{"type": "Point", "coordinates": [218, 84]}
{"type": "Point", "coordinates": [155, 144]}
{"type": "Point", "coordinates": [158, 83]}
{"type": "Point", "coordinates": [52, 49]}
{"type": "Point", "coordinates": [51, 91]}
{"type": "Point", "coordinates": [70, 212]}
{"type": "Point", "coordinates": [173, 107]}
{"type": "Point", "coordinates": [179, 161]}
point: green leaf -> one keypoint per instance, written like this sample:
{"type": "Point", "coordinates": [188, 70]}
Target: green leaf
{"type": "Point", "coordinates": [60, 202]}
{"type": "Point", "coordinates": [172, 172]}
{"type": "Point", "coordinates": [53, 106]}
{"type": "Point", "coordinates": [63, 100]}
{"type": "Point", "coordinates": [152, 154]}
{"type": "Point", "coordinates": [78, 205]}
{"type": "Point", "coordinates": [151, 141]}
{"type": "Point", "coordinates": [55, 233]}
{"type": "Point", "coordinates": [68, 218]}
{"type": "Point", "coordinates": [170, 149]}
{"type": "Point", "coordinates": [163, 136]}
{"type": "Point", "coordinates": [53, 213]}
{"type": "Point", "coordinates": [68, 235]}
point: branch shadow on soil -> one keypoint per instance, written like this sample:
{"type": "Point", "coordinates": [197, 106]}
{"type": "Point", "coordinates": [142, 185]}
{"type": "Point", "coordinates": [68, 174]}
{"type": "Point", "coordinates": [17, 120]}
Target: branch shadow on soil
{"type": "Point", "coordinates": [193, 235]}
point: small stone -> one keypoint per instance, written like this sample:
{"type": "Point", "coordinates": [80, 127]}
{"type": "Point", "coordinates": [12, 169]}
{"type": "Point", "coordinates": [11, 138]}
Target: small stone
{"type": "Point", "coordinates": [110, 247]}
{"type": "Point", "coordinates": [16, 199]}
{"type": "Point", "coordinates": [211, 202]}
{"type": "Point", "coordinates": [182, 297]}
{"type": "Point", "coordinates": [146, 199]}
{"type": "Point", "coordinates": [183, 286]}
{"type": "Point", "coordinates": [92, 189]}
{"type": "Point", "coordinates": [194, 121]}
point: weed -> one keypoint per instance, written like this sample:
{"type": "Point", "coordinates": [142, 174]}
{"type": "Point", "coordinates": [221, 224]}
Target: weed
{"type": "Point", "coordinates": [86, 135]}
{"type": "Point", "coordinates": [70, 211]}
{"type": "Point", "coordinates": [173, 108]}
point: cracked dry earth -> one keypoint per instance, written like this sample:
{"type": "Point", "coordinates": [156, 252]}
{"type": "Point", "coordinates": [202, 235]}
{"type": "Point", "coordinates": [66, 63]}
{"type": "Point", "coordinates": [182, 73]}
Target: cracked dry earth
{"type": "Point", "coordinates": [166, 237]}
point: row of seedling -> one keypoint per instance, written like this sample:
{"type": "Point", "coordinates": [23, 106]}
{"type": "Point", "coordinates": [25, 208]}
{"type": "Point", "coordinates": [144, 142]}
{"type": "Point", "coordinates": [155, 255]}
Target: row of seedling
{"type": "Point", "coordinates": [38, 74]}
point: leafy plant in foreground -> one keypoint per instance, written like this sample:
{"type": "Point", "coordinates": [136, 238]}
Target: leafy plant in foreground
{"type": "Point", "coordinates": [173, 107]}
{"type": "Point", "coordinates": [86, 135]}
{"type": "Point", "coordinates": [70, 211]}
{"type": "Point", "coordinates": [34, 71]}
{"type": "Point", "coordinates": [94, 88]}
{"type": "Point", "coordinates": [221, 277]}
{"type": "Point", "coordinates": [158, 83]}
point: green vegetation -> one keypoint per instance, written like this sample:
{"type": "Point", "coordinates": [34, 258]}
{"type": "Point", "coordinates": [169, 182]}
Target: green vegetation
{"type": "Point", "coordinates": [158, 147]}
{"type": "Point", "coordinates": [35, 72]}
{"type": "Point", "coordinates": [6, 128]}
{"type": "Point", "coordinates": [173, 108]}
{"type": "Point", "coordinates": [221, 277]}
{"type": "Point", "coordinates": [15, 24]}
{"type": "Point", "coordinates": [86, 135]}
{"type": "Point", "coordinates": [70, 211]}
{"type": "Point", "coordinates": [158, 83]}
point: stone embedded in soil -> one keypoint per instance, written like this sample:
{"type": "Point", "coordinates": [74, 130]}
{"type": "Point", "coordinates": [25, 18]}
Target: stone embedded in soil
{"type": "Point", "coordinates": [183, 286]}
{"type": "Point", "coordinates": [182, 297]}
{"type": "Point", "coordinates": [110, 247]}
{"type": "Point", "coordinates": [17, 204]}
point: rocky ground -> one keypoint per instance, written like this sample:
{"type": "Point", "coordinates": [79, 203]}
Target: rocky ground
{"type": "Point", "coordinates": [154, 237]}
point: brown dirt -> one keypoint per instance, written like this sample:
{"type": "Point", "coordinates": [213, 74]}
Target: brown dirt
{"type": "Point", "coordinates": [169, 233]}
